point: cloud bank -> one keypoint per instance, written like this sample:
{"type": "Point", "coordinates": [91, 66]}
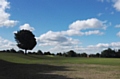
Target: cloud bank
{"type": "Point", "coordinates": [63, 41]}
{"type": "Point", "coordinates": [4, 16]}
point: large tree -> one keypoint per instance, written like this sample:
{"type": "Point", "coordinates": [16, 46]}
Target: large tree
{"type": "Point", "coordinates": [25, 40]}
{"type": "Point", "coordinates": [108, 53]}
{"type": "Point", "coordinates": [71, 53]}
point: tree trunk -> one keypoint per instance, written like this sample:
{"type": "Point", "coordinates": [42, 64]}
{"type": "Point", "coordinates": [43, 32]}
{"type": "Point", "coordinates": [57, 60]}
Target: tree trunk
{"type": "Point", "coordinates": [25, 51]}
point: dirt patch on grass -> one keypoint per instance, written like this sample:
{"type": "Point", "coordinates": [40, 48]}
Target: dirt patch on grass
{"type": "Point", "coordinates": [85, 71]}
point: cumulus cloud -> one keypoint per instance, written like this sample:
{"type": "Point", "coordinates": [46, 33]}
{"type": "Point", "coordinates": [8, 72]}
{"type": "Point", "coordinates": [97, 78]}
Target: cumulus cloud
{"type": "Point", "coordinates": [6, 44]}
{"type": "Point", "coordinates": [88, 49]}
{"type": "Point", "coordinates": [79, 33]}
{"type": "Point", "coordinates": [4, 16]}
{"type": "Point", "coordinates": [26, 27]}
{"type": "Point", "coordinates": [106, 45]}
{"type": "Point", "coordinates": [88, 24]}
{"type": "Point", "coordinates": [63, 41]}
{"type": "Point", "coordinates": [56, 38]}
{"type": "Point", "coordinates": [72, 32]}
{"type": "Point", "coordinates": [96, 32]}
{"type": "Point", "coordinates": [57, 41]}
{"type": "Point", "coordinates": [91, 25]}
{"type": "Point", "coordinates": [117, 5]}
{"type": "Point", "coordinates": [98, 47]}
{"type": "Point", "coordinates": [61, 48]}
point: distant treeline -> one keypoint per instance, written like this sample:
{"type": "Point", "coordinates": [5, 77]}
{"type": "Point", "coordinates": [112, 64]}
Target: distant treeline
{"type": "Point", "coordinates": [108, 53]}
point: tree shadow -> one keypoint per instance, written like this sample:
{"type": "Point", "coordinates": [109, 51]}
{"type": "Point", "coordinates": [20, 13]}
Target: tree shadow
{"type": "Point", "coordinates": [10, 70]}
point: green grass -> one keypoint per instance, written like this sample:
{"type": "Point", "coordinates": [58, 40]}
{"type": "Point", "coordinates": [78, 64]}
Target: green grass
{"type": "Point", "coordinates": [20, 66]}
{"type": "Point", "coordinates": [37, 59]}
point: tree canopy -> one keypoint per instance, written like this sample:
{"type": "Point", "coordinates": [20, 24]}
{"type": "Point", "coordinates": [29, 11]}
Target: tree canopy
{"type": "Point", "coordinates": [71, 53]}
{"type": "Point", "coordinates": [25, 40]}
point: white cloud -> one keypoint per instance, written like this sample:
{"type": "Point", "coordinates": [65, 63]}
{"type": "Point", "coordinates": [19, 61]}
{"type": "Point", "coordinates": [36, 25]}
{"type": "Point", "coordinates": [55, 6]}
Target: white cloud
{"type": "Point", "coordinates": [92, 23]}
{"type": "Point", "coordinates": [96, 32]}
{"type": "Point", "coordinates": [117, 5]}
{"type": "Point", "coordinates": [72, 32]}
{"type": "Point", "coordinates": [90, 49]}
{"type": "Point", "coordinates": [62, 41]}
{"type": "Point", "coordinates": [77, 27]}
{"type": "Point", "coordinates": [56, 38]}
{"type": "Point", "coordinates": [79, 33]}
{"type": "Point", "coordinates": [6, 44]}
{"type": "Point", "coordinates": [112, 13]}
{"type": "Point", "coordinates": [58, 42]}
{"type": "Point", "coordinates": [57, 49]}
{"type": "Point", "coordinates": [118, 34]}
{"type": "Point", "coordinates": [27, 27]}
{"type": "Point", "coordinates": [117, 26]}
{"type": "Point", "coordinates": [99, 14]}
{"type": "Point", "coordinates": [4, 16]}
{"type": "Point", "coordinates": [98, 47]}
{"type": "Point", "coordinates": [106, 45]}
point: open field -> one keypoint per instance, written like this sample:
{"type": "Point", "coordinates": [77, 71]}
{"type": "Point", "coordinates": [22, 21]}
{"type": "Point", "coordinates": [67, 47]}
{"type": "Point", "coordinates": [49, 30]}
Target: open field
{"type": "Point", "coordinates": [19, 66]}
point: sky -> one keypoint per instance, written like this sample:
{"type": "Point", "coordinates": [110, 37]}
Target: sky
{"type": "Point", "coordinates": [61, 25]}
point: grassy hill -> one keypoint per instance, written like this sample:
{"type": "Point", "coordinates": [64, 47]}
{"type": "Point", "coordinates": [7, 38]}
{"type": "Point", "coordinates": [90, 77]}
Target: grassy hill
{"type": "Point", "coordinates": [20, 66]}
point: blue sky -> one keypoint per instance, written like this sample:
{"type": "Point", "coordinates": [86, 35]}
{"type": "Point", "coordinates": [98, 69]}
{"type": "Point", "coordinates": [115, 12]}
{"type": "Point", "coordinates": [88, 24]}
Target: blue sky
{"type": "Point", "coordinates": [61, 25]}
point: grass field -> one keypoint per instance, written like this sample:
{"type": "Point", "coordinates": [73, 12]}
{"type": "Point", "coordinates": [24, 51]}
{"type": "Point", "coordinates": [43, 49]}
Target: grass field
{"type": "Point", "coordinates": [19, 66]}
